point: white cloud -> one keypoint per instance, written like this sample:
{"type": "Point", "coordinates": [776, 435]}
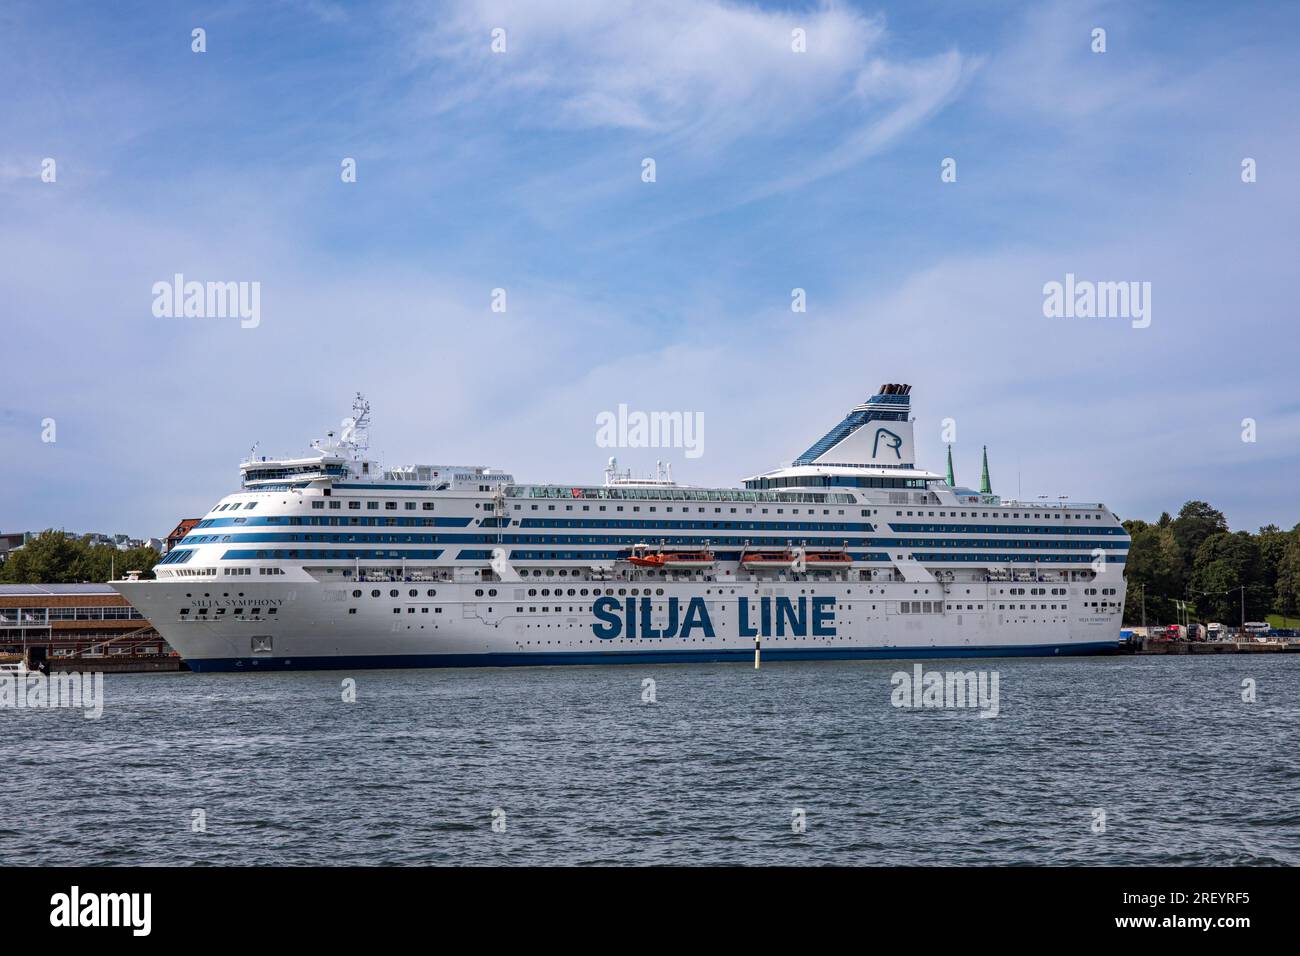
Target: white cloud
{"type": "Point", "coordinates": [692, 77]}
{"type": "Point", "coordinates": [665, 66]}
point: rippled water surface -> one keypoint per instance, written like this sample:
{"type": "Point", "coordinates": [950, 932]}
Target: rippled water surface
{"type": "Point", "coordinates": [286, 772]}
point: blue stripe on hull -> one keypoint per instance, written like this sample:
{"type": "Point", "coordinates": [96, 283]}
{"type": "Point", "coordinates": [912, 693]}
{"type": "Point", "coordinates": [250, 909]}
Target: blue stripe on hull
{"type": "Point", "coordinates": [540, 658]}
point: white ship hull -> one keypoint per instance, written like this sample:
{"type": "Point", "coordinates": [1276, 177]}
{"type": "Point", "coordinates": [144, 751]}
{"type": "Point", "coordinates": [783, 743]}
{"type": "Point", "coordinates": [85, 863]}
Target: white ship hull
{"type": "Point", "coordinates": [312, 628]}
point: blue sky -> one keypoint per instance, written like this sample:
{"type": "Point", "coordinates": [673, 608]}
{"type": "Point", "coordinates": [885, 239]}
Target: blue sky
{"type": "Point", "coordinates": [522, 170]}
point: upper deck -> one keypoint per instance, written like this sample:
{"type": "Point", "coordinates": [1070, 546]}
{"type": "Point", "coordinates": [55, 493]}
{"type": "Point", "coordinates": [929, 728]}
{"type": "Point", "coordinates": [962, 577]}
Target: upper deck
{"type": "Point", "coordinates": [861, 493]}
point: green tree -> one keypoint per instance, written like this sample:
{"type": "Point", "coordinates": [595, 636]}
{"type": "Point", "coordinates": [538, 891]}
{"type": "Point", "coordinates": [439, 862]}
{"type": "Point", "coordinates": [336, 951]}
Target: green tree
{"type": "Point", "coordinates": [47, 558]}
{"type": "Point", "coordinates": [1223, 563]}
{"type": "Point", "coordinates": [51, 557]}
{"type": "Point", "coordinates": [1154, 572]}
{"type": "Point", "coordinates": [101, 562]}
{"type": "Point", "coordinates": [1196, 521]}
{"type": "Point", "coordinates": [1287, 586]}
{"type": "Point", "coordinates": [1272, 542]}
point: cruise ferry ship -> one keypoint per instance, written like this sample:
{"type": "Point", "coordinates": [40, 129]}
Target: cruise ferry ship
{"type": "Point", "coordinates": [852, 551]}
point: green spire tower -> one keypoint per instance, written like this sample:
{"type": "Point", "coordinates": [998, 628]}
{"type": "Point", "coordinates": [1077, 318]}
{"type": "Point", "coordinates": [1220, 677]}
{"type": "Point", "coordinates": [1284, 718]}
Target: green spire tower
{"type": "Point", "coordinates": [986, 488]}
{"type": "Point", "coordinates": [952, 482]}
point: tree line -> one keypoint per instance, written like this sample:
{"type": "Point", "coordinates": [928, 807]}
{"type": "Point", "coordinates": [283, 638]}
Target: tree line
{"type": "Point", "coordinates": [1195, 557]}
{"type": "Point", "coordinates": [53, 558]}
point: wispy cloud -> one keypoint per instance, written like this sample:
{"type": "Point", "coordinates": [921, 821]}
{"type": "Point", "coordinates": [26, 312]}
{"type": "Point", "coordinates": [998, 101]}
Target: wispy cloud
{"type": "Point", "coordinates": [714, 85]}
{"type": "Point", "coordinates": [714, 69]}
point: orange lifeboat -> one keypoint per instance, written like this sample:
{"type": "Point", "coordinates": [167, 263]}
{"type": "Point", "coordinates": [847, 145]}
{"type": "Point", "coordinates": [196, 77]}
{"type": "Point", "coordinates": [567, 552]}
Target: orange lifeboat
{"type": "Point", "coordinates": [789, 558]}
{"type": "Point", "coordinates": [643, 557]}
{"type": "Point", "coordinates": [768, 559]}
{"type": "Point", "coordinates": [815, 560]}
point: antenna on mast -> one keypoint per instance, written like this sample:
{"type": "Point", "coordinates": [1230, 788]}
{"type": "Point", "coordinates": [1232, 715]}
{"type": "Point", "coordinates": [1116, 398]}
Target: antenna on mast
{"type": "Point", "coordinates": [356, 430]}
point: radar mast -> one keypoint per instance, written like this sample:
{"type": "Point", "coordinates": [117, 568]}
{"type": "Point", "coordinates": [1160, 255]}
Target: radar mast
{"type": "Point", "coordinates": [356, 430]}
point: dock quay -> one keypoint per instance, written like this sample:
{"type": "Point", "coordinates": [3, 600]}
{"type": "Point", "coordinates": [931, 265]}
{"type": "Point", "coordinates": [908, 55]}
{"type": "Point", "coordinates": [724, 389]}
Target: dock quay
{"type": "Point", "coordinates": [1154, 647]}
{"type": "Point", "coordinates": [118, 664]}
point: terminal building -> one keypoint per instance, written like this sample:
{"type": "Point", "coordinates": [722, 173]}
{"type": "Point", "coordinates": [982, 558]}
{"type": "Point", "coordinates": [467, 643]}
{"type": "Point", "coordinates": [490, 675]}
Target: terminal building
{"type": "Point", "coordinates": [50, 621]}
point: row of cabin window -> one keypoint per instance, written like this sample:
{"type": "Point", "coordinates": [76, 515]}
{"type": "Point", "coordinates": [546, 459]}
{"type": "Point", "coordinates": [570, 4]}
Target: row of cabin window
{"type": "Point", "coordinates": [532, 592]}
{"type": "Point", "coordinates": [986, 514]}
{"type": "Point", "coordinates": [336, 505]}
{"type": "Point", "coordinates": [718, 511]}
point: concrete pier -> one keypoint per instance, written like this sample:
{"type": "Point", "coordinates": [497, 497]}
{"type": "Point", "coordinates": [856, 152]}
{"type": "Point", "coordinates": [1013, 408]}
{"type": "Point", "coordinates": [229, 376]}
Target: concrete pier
{"type": "Point", "coordinates": [120, 664]}
{"type": "Point", "coordinates": [1149, 646]}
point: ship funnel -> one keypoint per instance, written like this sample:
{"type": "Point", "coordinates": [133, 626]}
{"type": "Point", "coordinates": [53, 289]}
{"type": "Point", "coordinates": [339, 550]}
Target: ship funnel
{"type": "Point", "coordinates": [877, 432]}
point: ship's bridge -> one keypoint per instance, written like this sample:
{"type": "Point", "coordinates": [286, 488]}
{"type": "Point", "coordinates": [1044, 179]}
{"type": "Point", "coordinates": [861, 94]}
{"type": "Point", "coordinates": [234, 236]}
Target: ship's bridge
{"type": "Point", "coordinates": [339, 457]}
{"type": "Point", "coordinates": [266, 473]}
{"type": "Point", "coordinates": [274, 474]}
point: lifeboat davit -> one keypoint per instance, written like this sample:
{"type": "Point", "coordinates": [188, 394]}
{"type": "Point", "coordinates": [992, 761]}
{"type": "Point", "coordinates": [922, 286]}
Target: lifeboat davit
{"type": "Point", "coordinates": [643, 557]}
